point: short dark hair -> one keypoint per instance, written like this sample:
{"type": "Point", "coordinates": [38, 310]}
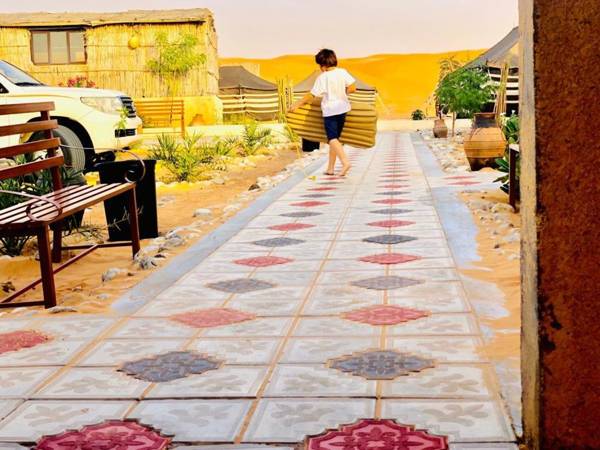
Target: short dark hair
{"type": "Point", "coordinates": [326, 58]}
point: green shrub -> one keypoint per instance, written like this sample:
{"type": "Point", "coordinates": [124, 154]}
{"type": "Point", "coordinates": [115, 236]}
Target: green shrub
{"type": "Point", "coordinates": [417, 114]}
{"type": "Point", "coordinates": [254, 138]}
{"type": "Point", "coordinates": [183, 160]}
{"type": "Point", "coordinates": [511, 132]}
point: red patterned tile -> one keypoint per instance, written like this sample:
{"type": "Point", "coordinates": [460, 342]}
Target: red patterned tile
{"type": "Point", "coordinates": [212, 317]}
{"type": "Point", "coordinates": [392, 201]}
{"type": "Point", "coordinates": [18, 340]}
{"type": "Point", "coordinates": [384, 315]}
{"type": "Point", "coordinates": [291, 226]}
{"type": "Point", "coordinates": [460, 177]}
{"type": "Point", "coordinates": [376, 434]}
{"type": "Point", "coordinates": [112, 434]}
{"type": "Point", "coordinates": [262, 261]}
{"type": "Point", "coordinates": [389, 258]}
{"type": "Point", "coordinates": [464, 183]}
{"type": "Point", "coordinates": [391, 223]}
{"type": "Point", "coordinates": [395, 186]}
{"type": "Point", "coordinates": [310, 204]}
{"type": "Point", "coordinates": [319, 189]}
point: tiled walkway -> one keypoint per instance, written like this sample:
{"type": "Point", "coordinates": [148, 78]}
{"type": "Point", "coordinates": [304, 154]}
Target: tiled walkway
{"type": "Point", "coordinates": [339, 302]}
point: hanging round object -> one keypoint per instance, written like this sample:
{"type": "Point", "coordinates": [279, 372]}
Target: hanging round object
{"type": "Point", "coordinates": [134, 42]}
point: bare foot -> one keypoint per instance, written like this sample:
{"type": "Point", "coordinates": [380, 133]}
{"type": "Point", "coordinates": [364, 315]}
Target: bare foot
{"type": "Point", "coordinates": [345, 170]}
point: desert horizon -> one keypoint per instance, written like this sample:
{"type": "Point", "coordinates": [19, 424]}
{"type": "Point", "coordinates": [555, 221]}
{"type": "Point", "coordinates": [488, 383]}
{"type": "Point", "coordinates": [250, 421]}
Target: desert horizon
{"type": "Point", "coordinates": [404, 81]}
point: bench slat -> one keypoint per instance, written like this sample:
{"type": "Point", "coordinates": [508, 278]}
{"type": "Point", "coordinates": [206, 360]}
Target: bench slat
{"type": "Point", "coordinates": [30, 127]}
{"type": "Point", "coordinates": [23, 169]}
{"type": "Point", "coordinates": [23, 108]}
{"type": "Point", "coordinates": [29, 147]}
{"type": "Point", "coordinates": [57, 195]}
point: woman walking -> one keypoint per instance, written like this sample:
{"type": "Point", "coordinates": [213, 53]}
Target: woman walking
{"type": "Point", "coordinates": [333, 86]}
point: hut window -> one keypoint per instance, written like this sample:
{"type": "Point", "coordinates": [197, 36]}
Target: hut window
{"type": "Point", "coordinates": [58, 47]}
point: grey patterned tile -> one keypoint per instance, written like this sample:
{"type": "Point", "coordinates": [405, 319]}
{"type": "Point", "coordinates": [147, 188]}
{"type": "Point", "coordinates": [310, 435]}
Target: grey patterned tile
{"type": "Point", "coordinates": [299, 214]}
{"type": "Point", "coordinates": [240, 285]}
{"type": "Point", "coordinates": [386, 283]}
{"type": "Point", "coordinates": [391, 211]}
{"type": "Point", "coordinates": [278, 242]}
{"type": "Point", "coordinates": [389, 239]}
{"type": "Point", "coordinates": [169, 366]}
{"type": "Point", "coordinates": [381, 364]}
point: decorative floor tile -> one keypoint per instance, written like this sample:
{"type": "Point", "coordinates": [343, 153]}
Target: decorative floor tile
{"type": "Point", "coordinates": [437, 325]}
{"type": "Point", "coordinates": [301, 214]}
{"type": "Point", "coordinates": [320, 350]}
{"type": "Point", "coordinates": [96, 383]}
{"type": "Point", "coordinates": [384, 315]}
{"type": "Point", "coordinates": [316, 196]}
{"type": "Point", "coordinates": [309, 204]}
{"type": "Point", "coordinates": [465, 183]}
{"type": "Point", "coordinates": [380, 364]}
{"type": "Point", "coordinates": [238, 351]}
{"type": "Point", "coordinates": [392, 193]}
{"type": "Point", "coordinates": [451, 349]}
{"type": "Point", "coordinates": [322, 189]}
{"type": "Point", "coordinates": [229, 381]}
{"type": "Point", "coordinates": [290, 420]}
{"type": "Point", "coordinates": [391, 211]}
{"type": "Point", "coordinates": [240, 285]}
{"type": "Point", "coordinates": [115, 352]}
{"type": "Point", "coordinates": [389, 258]}
{"type": "Point", "coordinates": [444, 381]}
{"type": "Point", "coordinates": [19, 382]}
{"type": "Point", "coordinates": [194, 420]}
{"type": "Point", "coordinates": [367, 434]}
{"type": "Point", "coordinates": [262, 327]}
{"type": "Point", "coordinates": [391, 223]}
{"type": "Point", "coordinates": [385, 283]}
{"type": "Point", "coordinates": [391, 201]}
{"type": "Point", "coordinates": [291, 226]}
{"type": "Point", "coordinates": [263, 261]}
{"type": "Point", "coordinates": [72, 326]}
{"type": "Point", "coordinates": [278, 242]}
{"type": "Point", "coordinates": [332, 327]}
{"type": "Point", "coordinates": [112, 434]}
{"type": "Point", "coordinates": [50, 353]}
{"type": "Point", "coordinates": [316, 381]}
{"type": "Point", "coordinates": [394, 186]}
{"type": "Point", "coordinates": [17, 340]}
{"type": "Point", "coordinates": [169, 366]}
{"type": "Point", "coordinates": [465, 421]}
{"type": "Point", "coordinates": [34, 419]}
{"type": "Point", "coordinates": [151, 328]}
{"type": "Point", "coordinates": [267, 306]}
{"type": "Point", "coordinates": [212, 317]}
{"type": "Point", "coordinates": [389, 239]}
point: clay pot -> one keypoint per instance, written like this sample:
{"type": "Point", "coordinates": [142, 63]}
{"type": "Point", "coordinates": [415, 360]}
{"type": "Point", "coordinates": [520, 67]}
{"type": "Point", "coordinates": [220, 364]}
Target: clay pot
{"type": "Point", "coordinates": [485, 142]}
{"type": "Point", "coordinates": [440, 130]}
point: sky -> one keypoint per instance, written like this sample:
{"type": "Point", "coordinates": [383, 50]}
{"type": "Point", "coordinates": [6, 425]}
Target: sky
{"type": "Point", "coordinates": [354, 28]}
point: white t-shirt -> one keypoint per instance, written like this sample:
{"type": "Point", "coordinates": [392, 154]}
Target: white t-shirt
{"type": "Point", "coordinates": [331, 85]}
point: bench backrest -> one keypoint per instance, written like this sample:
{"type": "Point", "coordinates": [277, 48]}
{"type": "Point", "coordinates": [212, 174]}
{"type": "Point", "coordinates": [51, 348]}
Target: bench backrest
{"type": "Point", "coordinates": [49, 144]}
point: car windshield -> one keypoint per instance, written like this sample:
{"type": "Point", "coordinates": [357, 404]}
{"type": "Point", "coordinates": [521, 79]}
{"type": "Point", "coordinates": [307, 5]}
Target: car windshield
{"type": "Point", "coordinates": [17, 76]}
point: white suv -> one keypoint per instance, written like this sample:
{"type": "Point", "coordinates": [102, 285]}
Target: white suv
{"type": "Point", "coordinates": [96, 120]}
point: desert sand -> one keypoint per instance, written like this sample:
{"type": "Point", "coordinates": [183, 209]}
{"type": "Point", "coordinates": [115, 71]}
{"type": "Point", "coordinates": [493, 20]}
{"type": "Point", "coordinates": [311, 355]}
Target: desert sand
{"type": "Point", "coordinates": [404, 82]}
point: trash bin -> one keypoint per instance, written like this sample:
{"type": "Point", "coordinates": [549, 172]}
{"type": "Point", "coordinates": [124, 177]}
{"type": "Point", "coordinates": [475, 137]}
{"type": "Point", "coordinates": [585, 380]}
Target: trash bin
{"type": "Point", "coordinates": [115, 209]}
{"type": "Point", "coordinates": [310, 146]}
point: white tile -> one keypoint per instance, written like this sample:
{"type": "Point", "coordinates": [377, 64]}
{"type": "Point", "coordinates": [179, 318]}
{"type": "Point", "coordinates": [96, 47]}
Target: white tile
{"type": "Point", "coordinates": [238, 350]}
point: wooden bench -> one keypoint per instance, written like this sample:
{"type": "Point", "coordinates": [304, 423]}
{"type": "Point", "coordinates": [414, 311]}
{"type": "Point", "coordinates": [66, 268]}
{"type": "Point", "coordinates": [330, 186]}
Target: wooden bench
{"type": "Point", "coordinates": [39, 215]}
{"type": "Point", "coordinates": [161, 113]}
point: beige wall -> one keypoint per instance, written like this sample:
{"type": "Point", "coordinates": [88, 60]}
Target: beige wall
{"type": "Point", "coordinates": [111, 64]}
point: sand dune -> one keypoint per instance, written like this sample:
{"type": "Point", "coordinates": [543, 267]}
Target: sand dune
{"type": "Point", "coordinates": [405, 82]}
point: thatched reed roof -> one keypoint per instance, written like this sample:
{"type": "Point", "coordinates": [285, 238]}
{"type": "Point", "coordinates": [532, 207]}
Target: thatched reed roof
{"type": "Point", "coordinates": [43, 19]}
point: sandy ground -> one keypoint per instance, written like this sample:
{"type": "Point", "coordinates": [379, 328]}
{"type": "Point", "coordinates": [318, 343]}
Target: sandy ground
{"type": "Point", "coordinates": [81, 285]}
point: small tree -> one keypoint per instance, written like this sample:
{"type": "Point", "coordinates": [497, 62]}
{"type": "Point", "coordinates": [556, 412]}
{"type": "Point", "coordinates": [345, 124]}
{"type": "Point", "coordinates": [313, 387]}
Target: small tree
{"type": "Point", "coordinates": [465, 92]}
{"type": "Point", "coordinates": [175, 59]}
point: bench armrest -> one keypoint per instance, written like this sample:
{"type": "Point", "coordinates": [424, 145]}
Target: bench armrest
{"type": "Point", "coordinates": [33, 218]}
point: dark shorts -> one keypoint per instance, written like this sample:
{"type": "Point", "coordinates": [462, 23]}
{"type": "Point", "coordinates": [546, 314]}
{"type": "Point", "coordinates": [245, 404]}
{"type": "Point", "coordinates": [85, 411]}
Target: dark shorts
{"type": "Point", "coordinates": [334, 126]}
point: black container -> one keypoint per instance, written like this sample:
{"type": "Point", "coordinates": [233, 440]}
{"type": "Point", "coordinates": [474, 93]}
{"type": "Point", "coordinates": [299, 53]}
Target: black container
{"type": "Point", "coordinates": [310, 146]}
{"type": "Point", "coordinates": [145, 192]}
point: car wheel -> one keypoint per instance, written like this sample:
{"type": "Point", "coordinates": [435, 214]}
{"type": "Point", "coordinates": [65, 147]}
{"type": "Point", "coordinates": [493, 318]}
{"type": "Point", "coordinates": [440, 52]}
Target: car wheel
{"type": "Point", "coordinates": [73, 151]}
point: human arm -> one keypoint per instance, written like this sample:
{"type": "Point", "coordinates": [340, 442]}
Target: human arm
{"type": "Point", "coordinates": [350, 89]}
{"type": "Point", "coordinates": [308, 98]}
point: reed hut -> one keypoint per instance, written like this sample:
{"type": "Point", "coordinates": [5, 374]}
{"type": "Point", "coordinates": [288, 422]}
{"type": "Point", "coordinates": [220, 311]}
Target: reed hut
{"type": "Point", "coordinates": [246, 94]}
{"type": "Point", "coordinates": [111, 49]}
{"type": "Point", "coordinates": [365, 93]}
{"type": "Point", "coordinates": [504, 53]}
